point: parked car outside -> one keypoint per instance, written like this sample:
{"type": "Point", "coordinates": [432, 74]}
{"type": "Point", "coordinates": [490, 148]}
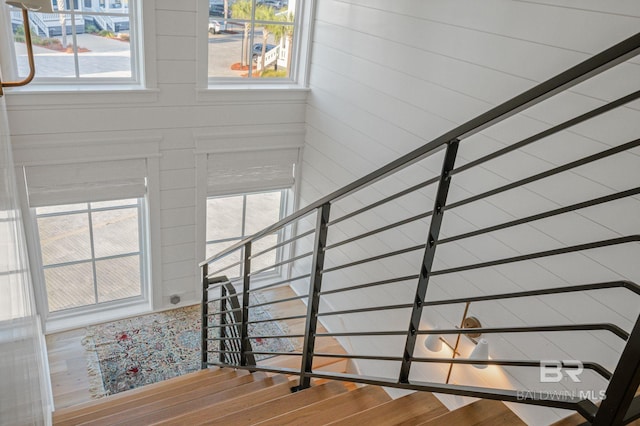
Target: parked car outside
{"type": "Point", "coordinates": [257, 48]}
{"type": "Point", "coordinates": [277, 4]}
{"type": "Point", "coordinates": [214, 27]}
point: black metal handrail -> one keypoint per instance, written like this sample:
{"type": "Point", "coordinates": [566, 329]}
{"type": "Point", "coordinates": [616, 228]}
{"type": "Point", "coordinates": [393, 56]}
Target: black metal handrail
{"type": "Point", "coordinates": [619, 404]}
{"type": "Point", "coordinates": [593, 66]}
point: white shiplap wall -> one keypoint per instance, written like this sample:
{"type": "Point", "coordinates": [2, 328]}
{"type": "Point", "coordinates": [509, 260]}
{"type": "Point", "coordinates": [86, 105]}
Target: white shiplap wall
{"type": "Point", "coordinates": [387, 77]}
{"type": "Point", "coordinates": [175, 115]}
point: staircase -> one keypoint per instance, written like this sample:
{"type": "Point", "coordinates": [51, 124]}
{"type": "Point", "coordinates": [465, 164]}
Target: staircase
{"type": "Point", "coordinates": [374, 269]}
{"type": "Point", "coordinates": [225, 396]}
{"type": "Point", "coordinates": [321, 383]}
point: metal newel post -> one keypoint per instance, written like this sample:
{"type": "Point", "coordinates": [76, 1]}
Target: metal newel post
{"type": "Point", "coordinates": [624, 383]}
{"type": "Point", "coordinates": [223, 345]}
{"type": "Point", "coordinates": [204, 334]}
{"type": "Point", "coordinates": [429, 255]}
{"type": "Point", "coordinates": [313, 303]}
{"type": "Point", "coordinates": [246, 281]}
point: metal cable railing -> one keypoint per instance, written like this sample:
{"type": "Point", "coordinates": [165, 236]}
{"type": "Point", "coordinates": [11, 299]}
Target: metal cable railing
{"type": "Point", "coordinates": [237, 333]}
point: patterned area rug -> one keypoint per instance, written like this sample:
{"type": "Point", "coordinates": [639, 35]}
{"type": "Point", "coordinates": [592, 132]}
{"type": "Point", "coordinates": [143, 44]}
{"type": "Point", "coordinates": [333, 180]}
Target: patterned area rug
{"type": "Point", "coordinates": [134, 352]}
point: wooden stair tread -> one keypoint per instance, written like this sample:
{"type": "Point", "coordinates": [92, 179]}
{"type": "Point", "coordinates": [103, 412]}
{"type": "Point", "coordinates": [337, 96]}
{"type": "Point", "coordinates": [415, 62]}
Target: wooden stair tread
{"type": "Point", "coordinates": [113, 408]}
{"type": "Point", "coordinates": [281, 405]}
{"type": "Point", "coordinates": [407, 410]}
{"type": "Point", "coordinates": [235, 402]}
{"type": "Point", "coordinates": [169, 399]}
{"type": "Point", "coordinates": [484, 412]}
{"type": "Point", "coordinates": [163, 410]}
{"type": "Point", "coordinates": [573, 420]}
{"type": "Point", "coordinates": [318, 362]}
{"type": "Point", "coordinates": [202, 376]}
{"type": "Point", "coordinates": [333, 408]}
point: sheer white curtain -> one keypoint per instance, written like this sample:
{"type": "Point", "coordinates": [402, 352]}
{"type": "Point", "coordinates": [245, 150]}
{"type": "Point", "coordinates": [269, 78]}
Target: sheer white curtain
{"type": "Point", "coordinates": [24, 388]}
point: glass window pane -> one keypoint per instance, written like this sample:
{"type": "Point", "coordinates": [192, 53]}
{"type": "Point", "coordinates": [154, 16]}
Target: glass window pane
{"type": "Point", "coordinates": [118, 278]}
{"type": "Point", "coordinates": [102, 48]}
{"type": "Point", "coordinates": [224, 218]}
{"type": "Point", "coordinates": [277, 59]}
{"type": "Point", "coordinates": [60, 209]}
{"type": "Point", "coordinates": [267, 259]}
{"type": "Point", "coordinates": [115, 232]}
{"type": "Point", "coordinates": [228, 260]}
{"type": "Point", "coordinates": [227, 49]}
{"type": "Point", "coordinates": [108, 52]}
{"type": "Point", "coordinates": [262, 210]}
{"type": "Point", "coordinates": [64, 238]}
{"type": "Point", "coordinates": [265, 44]}
{"type": "Point", "coordinates": [69, 286]}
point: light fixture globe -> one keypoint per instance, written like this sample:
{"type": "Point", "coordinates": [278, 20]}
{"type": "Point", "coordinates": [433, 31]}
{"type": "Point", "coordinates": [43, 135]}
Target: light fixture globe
{"type": "Point", "coordinates": [433, 342]}
{"type": "Point", "coordinates": [480, 352]}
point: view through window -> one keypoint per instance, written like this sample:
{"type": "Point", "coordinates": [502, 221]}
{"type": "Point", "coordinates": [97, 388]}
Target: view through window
{"type": "Point", "coordinates": [83, 40]}
{"type": "Point", "coordinates": [91, 252]}
{"type": "Point", "coordinates": [251, 38]}
{"type": "Point", "coordinates": [232, 218]}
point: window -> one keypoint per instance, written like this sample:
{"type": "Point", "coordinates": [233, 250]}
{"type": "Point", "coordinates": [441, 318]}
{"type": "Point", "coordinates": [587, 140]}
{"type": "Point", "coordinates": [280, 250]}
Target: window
{"type": "Point", "coordinates": [232, 218]}
{"type": "Point", "coordinates": [91, 252]}
{"type": "Point", "coordinates": [83, 41]}
{"type": "Point", "coordinates": [90, 221]}
{"type": "Point", "coordinates": [246, 192]}
{"type": "Point", "coordinates": [254, 40]}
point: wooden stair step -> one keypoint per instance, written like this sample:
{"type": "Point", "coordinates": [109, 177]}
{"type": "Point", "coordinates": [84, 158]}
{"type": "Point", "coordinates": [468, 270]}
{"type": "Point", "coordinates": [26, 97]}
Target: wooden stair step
{"type": "Point", "coordinates": [484, 412]}
{"type": "Point", "coordinates": [184, 404]}
{"type": "Point", "coordinates": [332, 409]}
{"type": "Point", "coordinates": [407, 410]}
{"type": "Point", "coordinates": [573, 420]}
{"type": "Point", "coordinates": [234, 402]}
{"type": "Point", "coordinates": [60, 416]}
{"type": "Point", "coordinates": [319, 363]}
{"type": "Point", "coordinates": [282, 405]}
{"type": "Point", "coordinates": [169, 398]}
{"type": "Point", "coordinates": [293, 362]}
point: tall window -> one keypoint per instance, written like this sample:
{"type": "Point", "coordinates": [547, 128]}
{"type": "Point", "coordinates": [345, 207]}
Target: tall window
{"type": "Point", "coordinates": [232, 218]}
{"type": "Point", "coordinates": [90, 223]}
{"type": "Point", "coordinates": [87, 40]}
{"type": "Point", "coordinates": [92, 253]}
{"type": "Point", "coordinates": [255, 39]}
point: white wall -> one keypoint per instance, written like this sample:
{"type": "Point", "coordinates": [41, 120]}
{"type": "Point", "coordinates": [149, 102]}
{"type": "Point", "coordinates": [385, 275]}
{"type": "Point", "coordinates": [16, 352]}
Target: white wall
{"type": "Point", "coordinates": [182, 120]}
{"type": "Point", "coordinates": [25, 391]}
{"type": "Point", "coordinates": [387, 77]}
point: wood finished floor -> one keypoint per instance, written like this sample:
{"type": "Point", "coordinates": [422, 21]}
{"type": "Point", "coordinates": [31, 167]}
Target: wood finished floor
{"type": "Point", "coordinates": [68, 365]}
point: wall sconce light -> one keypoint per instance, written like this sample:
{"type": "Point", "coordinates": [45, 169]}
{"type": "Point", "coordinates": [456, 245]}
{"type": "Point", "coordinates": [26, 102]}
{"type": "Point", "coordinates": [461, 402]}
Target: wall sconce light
{"type": "Point", "coordinates": [480, 352]}
{"type": "Point", "coordinates": [26, 5]}
{"type": "Point", "coordinates": [434, 342]}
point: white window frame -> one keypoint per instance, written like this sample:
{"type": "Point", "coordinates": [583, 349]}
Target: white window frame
{"type": "Point", "coordinates": [217, 89]}
{"type": "Point", "coordinates": [143, 246]}
{"type": "Point", "coordinates": [143, 82]}
{"type": "Point", "coordinates": [284, 203]}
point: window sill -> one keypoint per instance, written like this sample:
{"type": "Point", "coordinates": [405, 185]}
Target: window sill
{"type": "Point", "coordinates": [252, 93]}
{"type": "Point", "coordinates": [68, 321]}
{"type": "Point", "coordinates": [89, 95]}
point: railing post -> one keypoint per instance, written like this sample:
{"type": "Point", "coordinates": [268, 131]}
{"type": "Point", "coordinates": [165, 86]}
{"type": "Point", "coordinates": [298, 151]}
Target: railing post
{"type": "Point", "coordinates": [223, 345]}
{"type": "Point", "coordinates": [313, 303]}
{"type": "Point", "coordinates": [624, 383]}
{"type": "Point", "coordinates": [246, 280]}
{"type": "Point", "coordinates": [204, 333]}
{"type": "Point", "coordinates": [429, 255]}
